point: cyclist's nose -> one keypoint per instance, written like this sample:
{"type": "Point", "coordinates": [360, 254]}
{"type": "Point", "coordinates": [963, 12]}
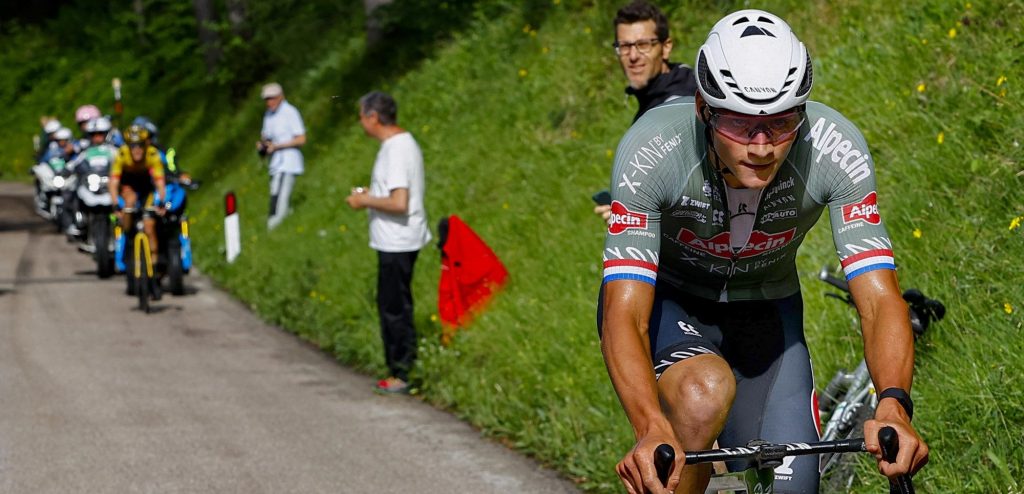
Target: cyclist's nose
{"type": "Point", "coordinates": [761, 146]}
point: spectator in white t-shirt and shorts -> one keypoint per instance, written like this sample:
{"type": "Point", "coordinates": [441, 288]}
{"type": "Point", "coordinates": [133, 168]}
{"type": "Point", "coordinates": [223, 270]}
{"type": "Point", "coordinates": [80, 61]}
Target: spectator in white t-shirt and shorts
{"type": "Point", "coordinates": [398, 230]}
{"type": "Point", "coordinates": [282, 135]}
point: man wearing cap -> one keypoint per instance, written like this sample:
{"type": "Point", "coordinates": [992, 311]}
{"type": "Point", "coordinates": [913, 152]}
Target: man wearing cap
{"type": "Point", "coordinates": [282, 135]}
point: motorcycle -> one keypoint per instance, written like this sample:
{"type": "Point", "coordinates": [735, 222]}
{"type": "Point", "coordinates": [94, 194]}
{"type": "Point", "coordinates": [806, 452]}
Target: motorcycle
{"type": "Point", "coordinates": [90, 211]}
{"type": "Point", "coordinates": [51, 180]}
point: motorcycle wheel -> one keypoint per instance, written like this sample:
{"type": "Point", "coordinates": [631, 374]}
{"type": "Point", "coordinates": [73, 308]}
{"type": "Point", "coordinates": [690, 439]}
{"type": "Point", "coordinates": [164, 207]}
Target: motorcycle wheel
{"type": "Point", "coordinates": [175, 273]}
{"type": "Point", "coordinates": [100, 232]}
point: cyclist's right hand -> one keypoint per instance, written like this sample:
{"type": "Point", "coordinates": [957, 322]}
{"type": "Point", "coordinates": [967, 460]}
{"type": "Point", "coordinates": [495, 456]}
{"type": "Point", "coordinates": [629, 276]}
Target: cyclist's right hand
{"type": "Point", "coordinates": [636, 470]}
{"type": "Point", "coordinates": [913, 451]}
{"type": "Point", "coordinates": [604, 211]}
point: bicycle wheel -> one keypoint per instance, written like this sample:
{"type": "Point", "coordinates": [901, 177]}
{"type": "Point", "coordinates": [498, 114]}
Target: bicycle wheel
{"type": "Point", "coordinates": [141, 268]}
{"type": "Point", "coordinates": [840, 468]}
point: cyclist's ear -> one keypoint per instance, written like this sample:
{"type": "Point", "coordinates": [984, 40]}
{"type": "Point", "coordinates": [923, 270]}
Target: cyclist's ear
{"type": "Point", "coordinates": [702, 108]}
{"type": "Point", "coordinates": [666, 50]}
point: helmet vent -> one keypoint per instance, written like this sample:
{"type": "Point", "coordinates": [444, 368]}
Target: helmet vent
{"type": "Point", "coordinates": [805, 84]}
{"type": "Point", "coordinates": [765, 19]}
{"type": "Point", "coordinates": [706, 80]}
{"type": "Point", "coordinates": [741, 20]}
{"type": "Point", "coordinates": [755, 31]}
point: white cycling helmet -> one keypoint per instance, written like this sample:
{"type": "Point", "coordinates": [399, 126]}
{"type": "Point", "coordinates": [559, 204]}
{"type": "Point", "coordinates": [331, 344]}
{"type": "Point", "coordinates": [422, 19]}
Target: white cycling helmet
{"type": "Point", "coordinates": [51, 126]}
{"type": "Point", "coordinates": [62, 134]}
{"type": "Point", "coordinates": [752, 63]}
{"type": "Point", "coordinates": [99, 124]}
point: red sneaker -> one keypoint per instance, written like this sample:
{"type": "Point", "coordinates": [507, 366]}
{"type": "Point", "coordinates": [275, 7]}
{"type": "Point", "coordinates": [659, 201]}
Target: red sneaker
{"type": "Point", "coordinates": [392, 385]}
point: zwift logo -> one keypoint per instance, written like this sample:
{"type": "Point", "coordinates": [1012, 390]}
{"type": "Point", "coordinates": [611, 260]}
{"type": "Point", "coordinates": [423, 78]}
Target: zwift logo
{"type": "Point", "coordinates": [623, 219]}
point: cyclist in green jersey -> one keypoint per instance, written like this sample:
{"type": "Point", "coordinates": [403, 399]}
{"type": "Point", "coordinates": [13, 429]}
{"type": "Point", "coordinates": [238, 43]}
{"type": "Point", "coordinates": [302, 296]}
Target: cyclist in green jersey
{"type": "Point", "coordinates": [700, 312]}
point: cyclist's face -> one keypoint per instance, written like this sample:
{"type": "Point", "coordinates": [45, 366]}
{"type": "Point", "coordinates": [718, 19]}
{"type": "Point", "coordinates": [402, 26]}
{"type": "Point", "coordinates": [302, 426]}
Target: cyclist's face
{"type": "Point", "coordinates": [752, 165]}
{"type": "Point", "coordinates": [138, 152]}
{"type": "Point", "coordinates": [638, 66]}
{"type": "Point", "coordinates": [97, 137]}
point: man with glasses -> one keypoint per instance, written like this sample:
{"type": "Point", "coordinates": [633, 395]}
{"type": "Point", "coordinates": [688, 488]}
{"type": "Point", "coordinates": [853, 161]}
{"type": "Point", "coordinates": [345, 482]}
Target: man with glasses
{"type": "Point", "coordinates": [643, 46]}
{"type": "Point", "coordinates": [700, 312]}
{"type": "Point", "coordinates": [282, 135]}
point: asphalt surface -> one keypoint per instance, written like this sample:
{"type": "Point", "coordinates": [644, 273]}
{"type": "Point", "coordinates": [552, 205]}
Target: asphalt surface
{"type": "Point", "coordinates": [200, 396]}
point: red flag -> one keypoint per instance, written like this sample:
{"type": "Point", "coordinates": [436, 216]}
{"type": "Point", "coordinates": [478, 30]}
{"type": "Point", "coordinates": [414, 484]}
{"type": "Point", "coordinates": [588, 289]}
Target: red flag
{"type": "Point", "coordinates": [470, 275]}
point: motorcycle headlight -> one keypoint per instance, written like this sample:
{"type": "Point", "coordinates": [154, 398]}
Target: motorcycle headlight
{"type": "Point", "coordinates": [94, 182]}
{"type": "Point", "coordinates": [58, 181]}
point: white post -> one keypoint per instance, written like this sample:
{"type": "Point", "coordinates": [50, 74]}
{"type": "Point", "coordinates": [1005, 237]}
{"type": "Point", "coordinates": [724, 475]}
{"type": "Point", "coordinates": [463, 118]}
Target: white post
{"type": "Point", "coordinates": [232, 234]}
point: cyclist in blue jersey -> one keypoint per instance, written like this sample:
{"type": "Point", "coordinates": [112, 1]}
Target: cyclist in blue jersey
{"type": "Point", "coordinates": [700, 312]}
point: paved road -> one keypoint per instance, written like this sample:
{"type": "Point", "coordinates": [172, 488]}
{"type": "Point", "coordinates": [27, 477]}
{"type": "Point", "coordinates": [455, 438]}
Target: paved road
{"type": "Point", "coordinates": [201, 396]}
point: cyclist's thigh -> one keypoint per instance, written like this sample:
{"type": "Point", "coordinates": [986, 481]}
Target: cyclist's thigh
{"type": "Point", "coordinates": [676, 329]}
{"type": "Point", "coordinates": [764, 343]}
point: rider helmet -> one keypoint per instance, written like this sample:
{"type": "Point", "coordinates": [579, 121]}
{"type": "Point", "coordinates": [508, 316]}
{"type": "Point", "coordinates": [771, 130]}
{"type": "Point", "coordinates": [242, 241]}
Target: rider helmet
{"type": "Point", "coordinates": [148, 124]}
{"type": "Point", "coordinates": [85, 113]}
{"type": "Point", "coordinates": [62, 134]}
{"type": "Point", "coordinates": [753, 64]}
{"type": "Point", "coordinates": [51, 126]}
{"type": "Point", "coordinates": [99, 125]}
{"type": "Point", "coordinates": [136, 134]}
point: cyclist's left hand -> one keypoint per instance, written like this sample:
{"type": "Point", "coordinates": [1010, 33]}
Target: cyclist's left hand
{"type": "Point", "coordinates": [913, 452]}
{"type": "Point", "coordinates": [161, 211]}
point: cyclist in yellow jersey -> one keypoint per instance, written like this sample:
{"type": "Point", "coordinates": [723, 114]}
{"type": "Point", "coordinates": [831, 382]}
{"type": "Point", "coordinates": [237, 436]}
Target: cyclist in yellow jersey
{"type": "Point", "coordinates": [138, 171]}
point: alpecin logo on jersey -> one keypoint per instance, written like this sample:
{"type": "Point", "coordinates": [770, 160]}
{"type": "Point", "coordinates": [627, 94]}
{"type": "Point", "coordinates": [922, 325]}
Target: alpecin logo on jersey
{"type": "Point", "coordinates": [720, 246]}
{"type": "Point", "coordinates": [623, 219]}
{"type": "Point", "coordinates": [866, 210]}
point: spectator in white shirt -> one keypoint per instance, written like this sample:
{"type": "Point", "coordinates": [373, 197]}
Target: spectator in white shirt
{"type": "Point", "coordinates": [282, 135]}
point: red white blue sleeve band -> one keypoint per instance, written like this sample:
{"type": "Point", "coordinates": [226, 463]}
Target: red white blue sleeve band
{"type": "Point", "coordinates": [629, 269]}
{"type": "Point", "coordinates": [864, 262]}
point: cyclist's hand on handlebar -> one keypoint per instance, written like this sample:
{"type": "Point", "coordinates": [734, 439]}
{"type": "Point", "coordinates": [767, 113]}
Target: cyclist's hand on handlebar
{"type": "Point", "coordinates": [913, 452]}
{"type": "Point", "coordinates": [637, 472]}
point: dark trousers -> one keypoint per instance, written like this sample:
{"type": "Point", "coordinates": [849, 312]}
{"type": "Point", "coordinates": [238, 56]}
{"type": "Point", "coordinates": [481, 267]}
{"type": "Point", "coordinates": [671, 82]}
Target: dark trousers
{"type": "Point", "coordinates": [394, 305]}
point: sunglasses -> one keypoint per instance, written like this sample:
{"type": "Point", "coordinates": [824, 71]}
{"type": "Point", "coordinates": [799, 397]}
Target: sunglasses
{"type": "Point", "coordinates": [136, 146]}
{"type": "Point", "coordinates": [742, 129]}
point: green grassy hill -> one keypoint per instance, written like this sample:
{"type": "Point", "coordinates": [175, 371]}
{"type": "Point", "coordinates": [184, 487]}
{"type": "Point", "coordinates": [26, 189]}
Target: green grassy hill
{"type": "Point", "coordinates": [518, 112]}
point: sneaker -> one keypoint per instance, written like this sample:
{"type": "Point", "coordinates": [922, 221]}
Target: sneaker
{"type": "Point", "coordinates": [392, 385]}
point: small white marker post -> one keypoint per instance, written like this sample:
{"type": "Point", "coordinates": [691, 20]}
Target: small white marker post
{"type": "Point", "coordinates": [232, 235]}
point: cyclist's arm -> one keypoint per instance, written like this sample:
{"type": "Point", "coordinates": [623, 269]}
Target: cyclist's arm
{"type": "Point", "coordinates": [889, 352]}
{"type": "Point", "coordinates": [627, 309]}
{"type": "Point", "coordinates": [114, 182]}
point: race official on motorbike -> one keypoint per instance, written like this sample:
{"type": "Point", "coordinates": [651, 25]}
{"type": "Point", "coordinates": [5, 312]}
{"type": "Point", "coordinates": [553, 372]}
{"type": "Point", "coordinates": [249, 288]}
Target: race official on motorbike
{"type": "Point", "coordinates": [83, 115]}
{"type": "Point", "coordinates": [62, 146]}
{"type": "Point", "coordinates": [136, 172]}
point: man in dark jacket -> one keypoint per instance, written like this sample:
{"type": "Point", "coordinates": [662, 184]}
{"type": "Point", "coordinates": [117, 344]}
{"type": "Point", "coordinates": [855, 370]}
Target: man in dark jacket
{"type": "Point", "coordinates": [643, 46]}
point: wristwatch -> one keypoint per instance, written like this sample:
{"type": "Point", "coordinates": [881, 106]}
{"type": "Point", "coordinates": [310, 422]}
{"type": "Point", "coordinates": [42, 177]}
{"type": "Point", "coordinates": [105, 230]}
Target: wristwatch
{"type": "Point", "coordinates": [900, 396]}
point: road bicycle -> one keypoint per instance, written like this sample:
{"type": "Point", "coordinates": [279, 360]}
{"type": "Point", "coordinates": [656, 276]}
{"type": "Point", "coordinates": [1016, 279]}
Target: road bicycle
{"type": "Point", "coordinates": [141, 278]}
{"type": "Point", "coordinates": [849, 398]}
{"type": "Point", "coordinates": [764, 457]}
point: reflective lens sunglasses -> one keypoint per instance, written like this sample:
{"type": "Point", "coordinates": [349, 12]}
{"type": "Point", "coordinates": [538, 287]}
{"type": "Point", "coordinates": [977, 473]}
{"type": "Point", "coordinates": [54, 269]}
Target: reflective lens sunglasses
{"type": "Point", "coordinates": [742, 129]}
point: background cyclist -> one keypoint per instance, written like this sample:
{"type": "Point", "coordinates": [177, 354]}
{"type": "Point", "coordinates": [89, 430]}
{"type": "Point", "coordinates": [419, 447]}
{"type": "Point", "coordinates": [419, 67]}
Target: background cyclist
{"type": "Point", "coordinates": [136, 172]}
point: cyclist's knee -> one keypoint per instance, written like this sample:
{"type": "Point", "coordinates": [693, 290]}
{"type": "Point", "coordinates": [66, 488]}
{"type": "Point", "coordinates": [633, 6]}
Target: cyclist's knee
{"type": "Point", "coordinates": [699, 391]}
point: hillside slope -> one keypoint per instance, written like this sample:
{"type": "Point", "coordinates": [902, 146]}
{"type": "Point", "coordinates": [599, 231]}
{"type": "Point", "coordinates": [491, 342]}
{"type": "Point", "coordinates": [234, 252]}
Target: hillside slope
{"type": "Point", "coordinates": [518, 115]}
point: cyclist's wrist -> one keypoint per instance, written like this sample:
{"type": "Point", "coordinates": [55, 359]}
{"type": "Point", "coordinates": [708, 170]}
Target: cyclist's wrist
{"type": "Point", "coordinates": [900, 397]}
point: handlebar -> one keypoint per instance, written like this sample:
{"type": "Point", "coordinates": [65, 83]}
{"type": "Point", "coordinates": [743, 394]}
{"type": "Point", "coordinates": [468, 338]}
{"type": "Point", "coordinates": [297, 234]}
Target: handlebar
{"type": "Point", "coordinates": [766, 454]}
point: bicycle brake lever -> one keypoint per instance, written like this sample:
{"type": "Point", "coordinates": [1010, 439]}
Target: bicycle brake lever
{"type": "Point", "coordinates": [888, 440]}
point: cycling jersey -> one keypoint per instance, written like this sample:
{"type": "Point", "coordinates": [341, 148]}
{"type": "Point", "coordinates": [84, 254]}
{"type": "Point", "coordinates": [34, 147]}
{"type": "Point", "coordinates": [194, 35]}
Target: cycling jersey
{"type": "Point", "coordinates": [152, 165]}
{"type": "Point", "coordinates": [670, 223]}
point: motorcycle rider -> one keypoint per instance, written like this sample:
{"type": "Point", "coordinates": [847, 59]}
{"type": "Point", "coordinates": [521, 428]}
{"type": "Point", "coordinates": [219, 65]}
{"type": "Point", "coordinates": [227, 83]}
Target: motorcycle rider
{"type": "Point", "coordinates": [136, 172]}
{"type": "Point", "coordinates": [83, 115]}
{"type": "Point", "coordinates": [62, 146]}
{"type": "Point", "coordinates": [49, 125]}
{"type": "Point", "coordinates": [96, 131]}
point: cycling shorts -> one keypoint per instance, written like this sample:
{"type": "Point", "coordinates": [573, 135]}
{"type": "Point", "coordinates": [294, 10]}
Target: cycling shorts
{"type": "Point", "coordinates": [763, 342]}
